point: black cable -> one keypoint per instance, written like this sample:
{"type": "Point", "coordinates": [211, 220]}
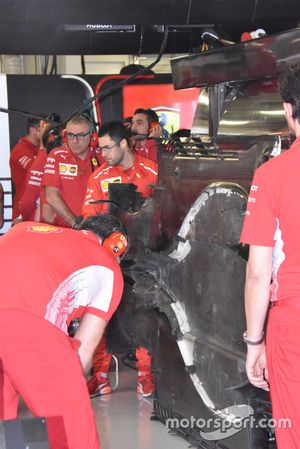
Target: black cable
{"type": "Point", "coordinates": [46, 62]}
{"type": "Point", "coordinates": [53, 66]}
{"type": "Point", "coordinates": [189, 13]}
{"type": "Point", "coordinates": [82, 65]}
{"type": "Point", "coordinates": [24, 113]}
{"type": "Point", "coordinates": [254, 10]}
{"type": "Point", "coordinates": [117, 86]}
{"type": "Point", "coordinates": [141, 41]}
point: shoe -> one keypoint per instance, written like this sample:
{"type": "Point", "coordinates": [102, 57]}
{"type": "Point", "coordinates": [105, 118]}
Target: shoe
{"type": "Point", "coordinates": [145, 386]}
{"type": "Point", "coordinates": [98, 385]}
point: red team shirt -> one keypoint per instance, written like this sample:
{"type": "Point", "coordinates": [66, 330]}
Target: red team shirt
{"type": "Point", "coordinates": [272, 219]}
{"type": "Point", "coordinates": [29, 204]}
{"type": "Point", "coordinates": [143, 173]}
{"type": "Point", "coordinates": [68, 173]}
{"type": "Point", "coordinates": [22, 156]}
{"type": "Point", "coordinates": [148, 150]}
{"type": "Point", "coordinates": [88, 281]}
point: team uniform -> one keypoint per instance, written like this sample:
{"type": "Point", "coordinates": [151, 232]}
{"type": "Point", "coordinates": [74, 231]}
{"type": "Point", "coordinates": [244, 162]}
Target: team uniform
{"type": "Point", "coordinates": [69, 173]}
{"type": "Point", "coordinates": [142, 174]}
{"type": "Point", "coordinates": [147, 150]}
{"type": "Point", "coordinates": [21, 158]}
{"type": "Point", "coordinates": [73, 275]}
{"type": "Point", "coordinates": [29, 204]}
{"type": "Point", "coordinates": [273, 219]}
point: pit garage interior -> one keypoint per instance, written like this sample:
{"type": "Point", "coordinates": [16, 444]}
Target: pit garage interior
{"type": "Point", "coordinates": [185, 274]}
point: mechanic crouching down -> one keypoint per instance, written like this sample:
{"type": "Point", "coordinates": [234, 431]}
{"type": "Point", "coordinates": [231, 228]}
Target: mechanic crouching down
{"type": "Point", "coordinates": [50, 276]}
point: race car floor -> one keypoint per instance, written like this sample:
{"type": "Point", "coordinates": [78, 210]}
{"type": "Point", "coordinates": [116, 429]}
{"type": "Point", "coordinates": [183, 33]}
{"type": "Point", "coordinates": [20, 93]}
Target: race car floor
{"type": "Point", "coordinates": [123, 419]}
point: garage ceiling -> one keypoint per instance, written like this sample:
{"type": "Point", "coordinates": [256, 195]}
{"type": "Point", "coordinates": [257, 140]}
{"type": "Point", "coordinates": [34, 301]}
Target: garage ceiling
{"type": "Point", "coordinates": [39, 26]}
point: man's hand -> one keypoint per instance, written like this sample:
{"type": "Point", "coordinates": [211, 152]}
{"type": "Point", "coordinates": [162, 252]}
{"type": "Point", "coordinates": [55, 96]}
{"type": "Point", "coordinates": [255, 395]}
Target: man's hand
{"type": "Point", "coordinates": [16, 220]}
{"type": "Point", "coordinates": [256, 366]}
{"type": "Point", "coordinates": [156, 132]}
{"type": "Point", "coordinates": [89, 333]}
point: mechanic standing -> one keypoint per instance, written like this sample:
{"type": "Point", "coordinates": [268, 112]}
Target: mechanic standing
{"type": "Point", "coordinates": [271, 227]}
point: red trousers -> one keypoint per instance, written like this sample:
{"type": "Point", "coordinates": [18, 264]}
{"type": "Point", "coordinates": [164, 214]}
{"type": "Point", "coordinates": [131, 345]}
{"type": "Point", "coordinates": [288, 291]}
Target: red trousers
{"type": "Point", "coordinates": [38, 361]}
{"type": "Point", "coordinates": [283, 359]}
{"type": "Point", "coordinates": [102, 359]}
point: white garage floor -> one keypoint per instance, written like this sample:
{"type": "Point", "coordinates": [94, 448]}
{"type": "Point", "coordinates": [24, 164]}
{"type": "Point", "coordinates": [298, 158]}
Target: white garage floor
{"type": "Point", "coordinates": [123, 419]}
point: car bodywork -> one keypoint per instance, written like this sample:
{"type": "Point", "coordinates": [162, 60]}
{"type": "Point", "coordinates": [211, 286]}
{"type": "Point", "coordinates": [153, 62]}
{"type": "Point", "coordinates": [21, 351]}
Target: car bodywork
{"type": "Point", "coordinates": [196, 281]}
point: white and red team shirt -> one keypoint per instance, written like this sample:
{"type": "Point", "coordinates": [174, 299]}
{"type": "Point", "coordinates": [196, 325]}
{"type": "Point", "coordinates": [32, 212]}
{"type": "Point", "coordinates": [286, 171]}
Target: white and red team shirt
{"type": "Point", "coordinates": [148, 150]}
{"type": "Point", "coordinates": [29, 204]}
{"type": "Point", "coordinates": [273, 219]}
{"type": "Point", "coordinates": [21, 158]}
{"type": "Point", "coordinates": [69, 174]}
{"type": "Point", "coordinates": [142, 174]}
{"type": "Point", "coordinates": [58, 274]}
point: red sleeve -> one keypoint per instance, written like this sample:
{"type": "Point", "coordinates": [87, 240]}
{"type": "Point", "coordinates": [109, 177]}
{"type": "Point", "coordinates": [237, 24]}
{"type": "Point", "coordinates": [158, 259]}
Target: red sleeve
{"type": "Point", "coordinates": [152, 170]}
{"type": "Point", "coordinates": [28, 201]}
{"type": "Point", "coordinates": [260, 219]}
{"type": "Point", "coordinates": [22, 157]}
{"type": "Point", "coordinates": [149, 176]}
{"type": "Point", "coordinates": [93, 193]}
{"type": "Point", "coordinates": [51, 175]}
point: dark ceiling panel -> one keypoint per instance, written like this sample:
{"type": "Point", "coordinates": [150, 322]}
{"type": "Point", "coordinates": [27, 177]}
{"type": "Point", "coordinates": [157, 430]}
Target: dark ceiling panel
{"type": "Point", "coordinates": [218, 11]}
{"type": "Point", "coordinates": [94, 11]}
{"type": "Point", "coordinates": [37, 26]}
{"type": "Point", "coordinates": [27, 39]}
{"type": "Point", "coordinates": [278, 10]}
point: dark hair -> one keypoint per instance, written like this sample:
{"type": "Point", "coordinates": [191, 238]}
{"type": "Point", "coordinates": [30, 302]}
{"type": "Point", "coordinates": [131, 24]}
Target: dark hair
{"type": "Point", "coordinates": [289, 88]}
{"type": "Point", "coordinates": [32, 123]}
{"type": "Point", "coordinates": [51, 137]}
{"type": "Point", "coordinates": [151, 115]}
{"type": "Point", "coordinates": [131, 69]}
{"type": "Point", "coordinates": [102, 225]}
{"type": "Point", "coordinates": [115, 130]}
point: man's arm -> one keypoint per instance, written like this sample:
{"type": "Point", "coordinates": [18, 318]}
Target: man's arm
{"type": "Point", "coordinates": [257, 295]}
{"type": "Point", "coordinates": [28, 201]}
{"type": "Point", "coordinates": [21, 157]}
{"type": "Point", "coordinates": [93, 193]}
{"type": "Point", "coordinates": [89, 333]}
{"type": "Point", "coordinates": [58, 205]}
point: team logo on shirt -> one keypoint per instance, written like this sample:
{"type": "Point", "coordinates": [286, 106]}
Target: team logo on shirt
{"type": "Point", "coordinates": [94, 162]}
{"type": "Point", "coordinates": [68, 169]}
{"type": "Point", "coordinates": [106, 182]}
{"type": "Point", "coordinates": [43, 228]}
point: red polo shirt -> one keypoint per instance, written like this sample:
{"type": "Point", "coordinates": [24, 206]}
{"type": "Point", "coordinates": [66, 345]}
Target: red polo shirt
{"type": "Point", "coordinates": [21, 158]}
{"type": "Point", "coordinates": [66, 273]}
{"type": "Point", "coordinates": [272, 219]}
{"type": "Point", "coordinates": [30, 202]}
{"type": "Point", "coordinates": [148, 150]}
{"type": "Point", "coordinates": [142, 173]}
